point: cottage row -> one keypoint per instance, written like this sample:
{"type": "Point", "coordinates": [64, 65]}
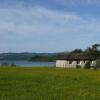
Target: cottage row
{"type": "Point", "coordinates": [74, 60]}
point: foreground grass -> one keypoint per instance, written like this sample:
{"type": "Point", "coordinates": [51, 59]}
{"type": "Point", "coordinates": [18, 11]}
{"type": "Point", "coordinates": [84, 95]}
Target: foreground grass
{"type": "Point", "coordinates": [49, 84]}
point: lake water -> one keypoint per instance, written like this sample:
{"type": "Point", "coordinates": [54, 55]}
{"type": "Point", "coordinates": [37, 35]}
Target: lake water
{"type": "Point", "coordinates": [29, 63]}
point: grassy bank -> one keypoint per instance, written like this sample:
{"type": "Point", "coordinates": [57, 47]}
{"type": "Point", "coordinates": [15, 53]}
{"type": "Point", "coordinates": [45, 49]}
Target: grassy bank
{"type": "Point", "coordinates": [49, 84]}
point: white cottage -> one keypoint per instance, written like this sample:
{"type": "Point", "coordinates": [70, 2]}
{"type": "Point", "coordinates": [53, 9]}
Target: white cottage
{"type": "Point", "coordinates": [72, 60]}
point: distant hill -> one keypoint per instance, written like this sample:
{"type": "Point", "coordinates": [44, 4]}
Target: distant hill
{"type": "Point", "coordinates": [31, 56]}
{"type": "Point", "coordinates": [90, 52]}
{"type": "Point", "coordinates": [16, 56]}
{"type": "Point", "coordinates": [28, 56]}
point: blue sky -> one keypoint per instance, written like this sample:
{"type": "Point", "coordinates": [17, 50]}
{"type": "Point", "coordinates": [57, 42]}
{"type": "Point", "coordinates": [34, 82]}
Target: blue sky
{"type": "Point", "coordinates": [48, 25]}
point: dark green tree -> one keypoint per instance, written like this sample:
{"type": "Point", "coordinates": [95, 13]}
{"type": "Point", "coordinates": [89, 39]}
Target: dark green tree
{"type": "Point", "coordinates": [77, 51]}
{"type": "Point", "coordinates": [97, 64]}
{"type": "Point", "coordinates": [93, 51]}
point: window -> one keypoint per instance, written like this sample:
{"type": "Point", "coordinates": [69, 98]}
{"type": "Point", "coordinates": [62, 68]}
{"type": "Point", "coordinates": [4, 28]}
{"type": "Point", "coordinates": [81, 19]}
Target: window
{"type": "Point", "coordinates": [78, 62]}
{"type": "Point", "coordinates": [83, 61]}
{"type": "Point", "coordinates": [70, 62]}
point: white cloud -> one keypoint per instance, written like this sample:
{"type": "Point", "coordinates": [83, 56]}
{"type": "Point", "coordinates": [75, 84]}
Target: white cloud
{"type": "Point", "coordinates": [40, 26]}
{"type": "Point", "coordinates": [35, 20]}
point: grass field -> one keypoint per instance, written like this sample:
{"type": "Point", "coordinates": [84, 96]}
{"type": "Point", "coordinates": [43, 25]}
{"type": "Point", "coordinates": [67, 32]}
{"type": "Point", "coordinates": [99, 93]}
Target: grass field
{"type": "Point", "coordinates": [49, 84]}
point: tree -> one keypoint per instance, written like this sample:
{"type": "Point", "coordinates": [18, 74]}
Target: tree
{"type": "Point", "coordinates": [96, 47]}
{"type": "Point", "coordinates": [77, 51]}
{"type": "Point", "coordinates": [97, 66]}
{"type": "Point", "coordinates": [92, 51]}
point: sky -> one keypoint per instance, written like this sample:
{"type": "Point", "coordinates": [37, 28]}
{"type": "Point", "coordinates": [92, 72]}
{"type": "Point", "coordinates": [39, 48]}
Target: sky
{"type": "Point", "coordinates": [48, 25]}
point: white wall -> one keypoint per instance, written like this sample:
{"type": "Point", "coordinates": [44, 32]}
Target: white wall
{"type": "Point", "coordinates": [65, 64]}
{"type": "Point", "coordinates": [61, 63]}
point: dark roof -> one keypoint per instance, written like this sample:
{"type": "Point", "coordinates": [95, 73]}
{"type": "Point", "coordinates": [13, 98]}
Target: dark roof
{"type": "Point", "coordinates": [77, 56]}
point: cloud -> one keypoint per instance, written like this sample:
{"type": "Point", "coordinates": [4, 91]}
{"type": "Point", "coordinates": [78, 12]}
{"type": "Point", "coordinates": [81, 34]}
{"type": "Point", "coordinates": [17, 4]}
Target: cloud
{"type": "Point", "coordinates": [28, 21]}
{"type": "Point", "coordinates": [42, 29]}
{"type": "Point", "coordinates": [93, 2]}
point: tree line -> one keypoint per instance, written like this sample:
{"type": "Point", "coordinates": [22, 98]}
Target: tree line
{"type": "Point", "coordinates": [92, 51]}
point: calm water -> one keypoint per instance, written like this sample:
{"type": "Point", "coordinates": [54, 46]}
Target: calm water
{"type": "Point", "coordinates": [29, 63]}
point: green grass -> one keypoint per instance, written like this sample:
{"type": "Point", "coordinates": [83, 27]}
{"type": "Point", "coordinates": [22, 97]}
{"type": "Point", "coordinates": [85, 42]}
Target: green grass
{"type": "Point", "coordinates": [49, 84]}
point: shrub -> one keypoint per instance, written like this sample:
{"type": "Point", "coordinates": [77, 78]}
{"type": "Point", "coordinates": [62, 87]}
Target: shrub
{"type": "Point", "coordinates": [97, 66]}
{"type": "Point", "coordinates": [78, 66]}
{"type": "Point", "coordinates": [13, 65]}
{"type": "Point", "coordinates": [87, 65]}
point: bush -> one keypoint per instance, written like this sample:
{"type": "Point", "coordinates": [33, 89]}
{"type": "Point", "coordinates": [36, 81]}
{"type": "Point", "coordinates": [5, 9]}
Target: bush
{"type": "Point", "coordinates": [13, 65]}
{"type": "Point", "coordinates": [97, 66]}
{"type": "Point", "coordinates": [78, 66]}
{"type": "Point", "coordinates": [87, 65]}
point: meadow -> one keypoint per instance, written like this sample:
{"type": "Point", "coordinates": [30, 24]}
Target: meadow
{"type": "Point", "coordinates": [49, 84]}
